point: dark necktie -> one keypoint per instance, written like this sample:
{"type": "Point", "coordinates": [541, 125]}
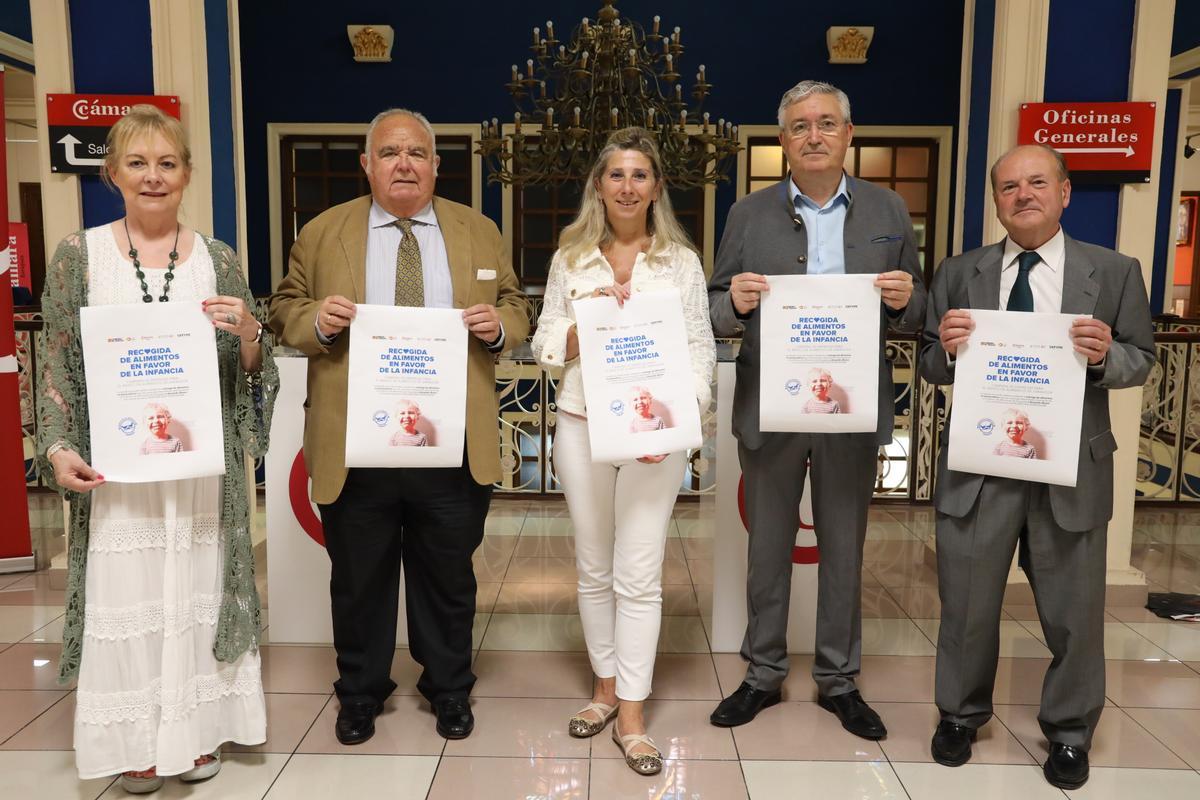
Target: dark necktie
{"type": "Point", "coordinates": [410, 280]}
{"type": "Point", "coordinates": [1021, 296]}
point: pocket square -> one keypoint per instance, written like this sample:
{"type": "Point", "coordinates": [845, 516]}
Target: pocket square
{"type": "Point", "coordinates": [893, 238]}
{"type": "Point", "coordinates": [485, 275]}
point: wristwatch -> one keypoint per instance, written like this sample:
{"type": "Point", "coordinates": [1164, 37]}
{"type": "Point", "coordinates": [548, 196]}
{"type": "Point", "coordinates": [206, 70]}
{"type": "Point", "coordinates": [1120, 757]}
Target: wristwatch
{"type": "Point", "coordinates": [258, 336]}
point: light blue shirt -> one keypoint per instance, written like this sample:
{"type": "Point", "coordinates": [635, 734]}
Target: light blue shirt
{"type": "Point", "coordinates": [823, 224]}
{"type": "Point", "coordinates": [383, 241]}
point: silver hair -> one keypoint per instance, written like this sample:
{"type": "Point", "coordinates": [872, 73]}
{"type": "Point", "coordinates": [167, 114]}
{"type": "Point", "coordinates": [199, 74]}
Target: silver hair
{"type": "Point", "coordinates": [401, 112]}
{"type": "Point", "coordinates": [804, 89]}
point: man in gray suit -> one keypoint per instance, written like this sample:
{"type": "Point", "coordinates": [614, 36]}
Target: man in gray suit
{"type": "Point", "coordinates": [818, 221]}
{"type": "Point", "coordinates": [1060, 530]}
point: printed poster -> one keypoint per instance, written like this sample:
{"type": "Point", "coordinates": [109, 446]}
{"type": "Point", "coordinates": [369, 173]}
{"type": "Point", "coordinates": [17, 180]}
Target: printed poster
{"type": "Point", "coordinates": [1018, 398]}
{"type": "Point", "coordinates": [407, 396]}
{"type": "Point", "coordinates": [819, 345]}
{"type": "Point", "coordinates": [637, 376]}
{"type": "Point", "coordinates": [153, 392]}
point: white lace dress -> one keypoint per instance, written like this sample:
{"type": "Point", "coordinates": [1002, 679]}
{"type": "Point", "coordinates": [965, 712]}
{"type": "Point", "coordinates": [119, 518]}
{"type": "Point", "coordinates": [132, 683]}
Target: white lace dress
{"type": "Point", "coordinates": [151, 694]}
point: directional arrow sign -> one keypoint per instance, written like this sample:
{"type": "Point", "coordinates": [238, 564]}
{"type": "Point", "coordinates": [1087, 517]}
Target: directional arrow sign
{"type": "Point", "coordinates": [68, 142]}
{"type": "Point", "coordinates": [1128, 150]}
{"type": "Point", "coordinates": [79, 125]}
{"type": "Point", "coordinates": [1103, 143]}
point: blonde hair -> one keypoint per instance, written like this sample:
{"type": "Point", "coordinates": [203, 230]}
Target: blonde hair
{"type": "Point", "coordinates": [139, 120]}
{"type": "Point", "coordinates": [590, 228]}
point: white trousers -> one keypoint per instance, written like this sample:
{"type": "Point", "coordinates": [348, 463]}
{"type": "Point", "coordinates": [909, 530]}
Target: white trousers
{"type": "Point", "coordinates": [620, 514]}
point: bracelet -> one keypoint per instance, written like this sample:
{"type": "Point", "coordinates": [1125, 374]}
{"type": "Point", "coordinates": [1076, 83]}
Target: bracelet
{"type": "Point", "coordinates": [258, 337]}
{"type": "Point", "coordinates": [54, 448]}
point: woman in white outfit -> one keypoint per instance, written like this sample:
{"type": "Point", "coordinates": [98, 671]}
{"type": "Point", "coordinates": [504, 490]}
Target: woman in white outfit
{"type": "Point", "coordinates": [625, 240]}
{"type": "Point", "coordinates": [162, 616]}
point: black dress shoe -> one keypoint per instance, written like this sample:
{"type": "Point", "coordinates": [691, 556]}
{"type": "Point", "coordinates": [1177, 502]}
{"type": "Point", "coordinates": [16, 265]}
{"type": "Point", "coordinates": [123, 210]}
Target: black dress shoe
{"type": "Point", "coordinates": [856, 716]}
{"type": "Point", "coordinates": [743, 705]}
{"type": "Point", "coordinates": [951, 745]}
{"type": "Point", "coordinates": [356, 722]}
{"type": "Point", "coordinates": [1067, 767]}
{"type": "Point", "coordinates": [454, 718]}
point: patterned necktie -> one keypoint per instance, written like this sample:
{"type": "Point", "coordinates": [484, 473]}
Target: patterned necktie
{"type": "Point", "coordinates": [1021, 296]}
{"type": "Point", "coordinates": [410, 280]}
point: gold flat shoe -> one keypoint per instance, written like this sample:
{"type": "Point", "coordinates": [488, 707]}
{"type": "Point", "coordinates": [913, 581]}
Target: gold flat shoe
{"type": "Point", "coordinates": [641, 763]}
{"type": "Point", "coordinates": [582, 727]}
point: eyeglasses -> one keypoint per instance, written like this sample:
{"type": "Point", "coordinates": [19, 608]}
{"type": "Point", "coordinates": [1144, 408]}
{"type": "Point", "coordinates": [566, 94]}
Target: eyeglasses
{"type": "Point", "coordinates": [825, 127]}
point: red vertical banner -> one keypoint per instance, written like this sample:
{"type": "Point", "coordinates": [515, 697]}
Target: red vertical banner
{"type": "Point", "coordinates": [15, 547]}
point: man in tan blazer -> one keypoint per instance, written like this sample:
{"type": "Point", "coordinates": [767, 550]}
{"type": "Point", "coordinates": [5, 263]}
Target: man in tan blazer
{"type": "Point", "coordinates": [400, 246]}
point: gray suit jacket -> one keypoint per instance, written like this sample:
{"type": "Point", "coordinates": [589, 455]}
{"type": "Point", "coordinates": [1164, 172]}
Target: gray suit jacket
{"type": "Point", "coordinates": [1096, 281]}
{"type": "Point", "coordinates": [762, 236]}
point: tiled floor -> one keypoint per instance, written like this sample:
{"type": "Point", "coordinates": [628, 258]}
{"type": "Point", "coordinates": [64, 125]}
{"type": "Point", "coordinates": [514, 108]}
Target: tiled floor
{"type": "Point", "coordinates": [533, 673]}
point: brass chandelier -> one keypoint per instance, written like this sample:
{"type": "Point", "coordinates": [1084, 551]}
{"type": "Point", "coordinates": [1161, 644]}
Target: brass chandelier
{"type": "Point", "coordinates": [612, 74]}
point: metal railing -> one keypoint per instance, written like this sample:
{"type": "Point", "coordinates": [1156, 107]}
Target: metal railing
{"type": "Point", "coordinates": [1168, 453]}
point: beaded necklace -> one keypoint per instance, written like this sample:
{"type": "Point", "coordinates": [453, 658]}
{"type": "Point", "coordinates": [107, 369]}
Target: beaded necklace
{"type": "Point", "coordinates": [137, 266]}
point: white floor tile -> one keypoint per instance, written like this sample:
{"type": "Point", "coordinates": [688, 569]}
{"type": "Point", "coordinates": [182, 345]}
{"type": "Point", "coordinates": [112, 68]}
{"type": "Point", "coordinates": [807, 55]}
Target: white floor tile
{"type": "Point", "coordinates": [46, 774]}
{"type": "Point", "coordinates": [866, 780]}
{"type": "Point", "coordinates": [895, 637]}
{"type": "Point", "coordinates": [320, 777]}
{"type": "Point", "coordinates": [1180, 639]}
{"type": "Point", "coordinates": [17, 622]}
{"type": "Point", "coordinates": [1110, 783]}
{"type": "Point", "coordinates": [975, 781]}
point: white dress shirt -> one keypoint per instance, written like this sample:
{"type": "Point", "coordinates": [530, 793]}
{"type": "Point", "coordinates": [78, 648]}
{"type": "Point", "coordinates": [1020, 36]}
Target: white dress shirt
{"type": "Point", "coordinates": [1045, 278]}
{"type": "Point", "coordinates": [383, 241]}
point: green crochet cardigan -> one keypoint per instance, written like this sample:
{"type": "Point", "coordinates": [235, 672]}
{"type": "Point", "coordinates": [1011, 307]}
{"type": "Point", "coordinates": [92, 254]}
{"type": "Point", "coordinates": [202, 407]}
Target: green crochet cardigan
{"type": "Point", "coordinates": [246, 404]}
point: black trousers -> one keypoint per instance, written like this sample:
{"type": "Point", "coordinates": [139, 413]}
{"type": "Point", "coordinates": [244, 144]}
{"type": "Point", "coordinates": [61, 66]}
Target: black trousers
{"type": "Point", "coordinates": [431, 520]}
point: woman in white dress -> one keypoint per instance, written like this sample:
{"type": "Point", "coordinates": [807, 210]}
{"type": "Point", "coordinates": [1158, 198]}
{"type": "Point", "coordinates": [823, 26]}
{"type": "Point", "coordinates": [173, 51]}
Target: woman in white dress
{"type": "Point", "coordinates": [624, 240]}
{"type": "Point", "coordinates": [165, 646]}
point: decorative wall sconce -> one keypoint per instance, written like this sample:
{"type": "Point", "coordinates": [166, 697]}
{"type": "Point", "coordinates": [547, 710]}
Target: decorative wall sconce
{"type": "Point", "coordinates": [848, 43]}
{"type": "Point", "coordinates": [371, 42]}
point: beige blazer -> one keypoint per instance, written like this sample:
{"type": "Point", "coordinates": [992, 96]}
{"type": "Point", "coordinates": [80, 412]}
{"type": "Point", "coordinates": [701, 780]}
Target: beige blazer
{"type": "Point", "coordinates": [329, 257]}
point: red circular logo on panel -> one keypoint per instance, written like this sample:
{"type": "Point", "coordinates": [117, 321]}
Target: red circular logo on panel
{"type": "Point", "coordinates": [800, 554]}
{"type": "Point", "coordinates": [301, 506]}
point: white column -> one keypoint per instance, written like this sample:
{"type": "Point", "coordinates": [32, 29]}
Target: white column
{"type": "Point", "coordinates": [180, 58]}
{"type": "Point", "coordinates": [1148, 73]}
{"type": "Point", "coordinates": [62, 212]}
{"type": "Point", "coordinates": [1018, 76]}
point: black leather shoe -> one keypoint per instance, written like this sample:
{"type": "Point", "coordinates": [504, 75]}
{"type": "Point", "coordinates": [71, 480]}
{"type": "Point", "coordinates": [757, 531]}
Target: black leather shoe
{"type": "Point", "coordinates": [1067, 767]}
{"type": "Point", "coordinates": [743, 705]}
{"type": "Point", "coordinates": [454, 718]}
{"type": "Point", "coordinates": [951, 745]}
{"type": "Point", "coordinates": [856, 716]}
{"type": "Point", "coordinates": [356, 722]}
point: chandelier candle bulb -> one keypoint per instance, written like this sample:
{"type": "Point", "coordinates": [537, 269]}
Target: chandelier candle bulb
{"type": "Point", "coordinates": [605, 73]}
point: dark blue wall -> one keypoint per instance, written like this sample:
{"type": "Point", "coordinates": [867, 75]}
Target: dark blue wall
{"type": "Point", "coordinates": [1075, 72]}
{"type": "Point", "coordinates": [976, 184]}
{"type": "Point", "coordinates": [220, 112]}
{"type": "Point", "coordinates": [110, 53]}
{"type": "Point", "coordinates": [1163, 272]}
{"type": "Point", "coordinates": [1187, 26]}
{"type": "Point", "coordinates": [14, 20]}
{"type": "Point", "coordinates": [452, 59]}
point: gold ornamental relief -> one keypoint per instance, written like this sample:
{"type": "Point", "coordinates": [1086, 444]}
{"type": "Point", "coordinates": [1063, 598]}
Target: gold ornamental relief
{"type": "Point", "coordinates": [849, 44]}
{"type": "Point", "coordinates": [371, 42]}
